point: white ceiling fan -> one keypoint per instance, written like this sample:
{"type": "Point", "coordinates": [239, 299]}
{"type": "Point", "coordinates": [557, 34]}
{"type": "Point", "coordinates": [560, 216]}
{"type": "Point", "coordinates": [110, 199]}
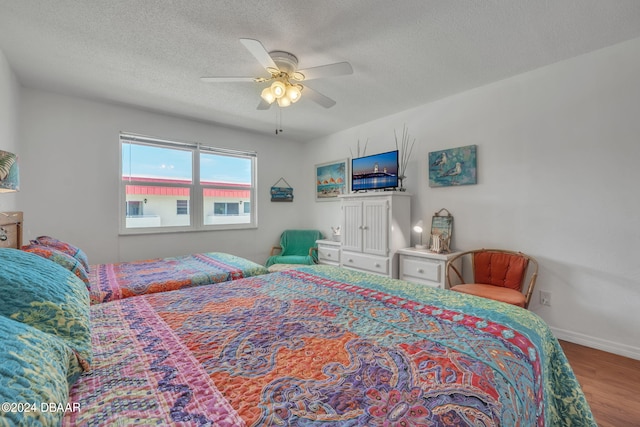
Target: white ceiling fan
{"type": "Point", "coordinates": [285, 88]}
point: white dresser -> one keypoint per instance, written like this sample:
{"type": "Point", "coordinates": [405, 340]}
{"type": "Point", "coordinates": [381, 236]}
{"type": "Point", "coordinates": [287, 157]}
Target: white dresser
{"type": "Point", "coordinates": [375, 226]}
{"type": "Point", "coordinates": [328, 252]}
{"type": "Point", "coordinates": [424, 268]}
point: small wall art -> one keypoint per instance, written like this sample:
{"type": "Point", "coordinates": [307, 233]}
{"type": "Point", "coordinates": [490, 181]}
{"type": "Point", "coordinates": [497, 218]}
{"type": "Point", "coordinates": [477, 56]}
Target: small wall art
{"type": "Point", "coordinates": [280, 193]}
{"type": "Point", "coordinates": [332, 180]}
{"type": "Point", "coordinates": [455, 166]}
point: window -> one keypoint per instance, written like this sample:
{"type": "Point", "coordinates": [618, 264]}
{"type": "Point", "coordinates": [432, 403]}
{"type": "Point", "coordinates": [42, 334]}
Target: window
{"type": "Point", "coordinates": [182, 207]}
{"type": "Point", "coordinates": [174, 186]}
{"type": "Point", "coordinates": [134, 208]}
{"type": "Point", "coordinates": [226, 208]}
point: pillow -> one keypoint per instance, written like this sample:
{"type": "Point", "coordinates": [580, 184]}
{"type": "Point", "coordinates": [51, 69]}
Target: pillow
{"type": "Point", "coordinates": [36, 370]}
{"type": "Point", "coordinates": [65, 247]}
{"type": "Point", "coordinates": [67, 261]}
{"type": "Point", "coordinates": [47, 296]}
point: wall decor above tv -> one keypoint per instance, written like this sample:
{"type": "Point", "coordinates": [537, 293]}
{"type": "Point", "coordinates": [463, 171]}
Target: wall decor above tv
{"type": "Point", "coordinates": [375, 172]}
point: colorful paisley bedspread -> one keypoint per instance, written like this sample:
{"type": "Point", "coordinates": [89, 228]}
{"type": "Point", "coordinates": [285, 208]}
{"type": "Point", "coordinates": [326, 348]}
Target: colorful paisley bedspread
{"type": "Point", "coordinates": [111, 282]}
{"type": "Point", "coordinates": [321, 346]}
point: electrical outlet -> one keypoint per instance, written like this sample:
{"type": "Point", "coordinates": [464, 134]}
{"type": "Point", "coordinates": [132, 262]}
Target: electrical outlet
{"type": "Point", "coordinates": [545, 298]}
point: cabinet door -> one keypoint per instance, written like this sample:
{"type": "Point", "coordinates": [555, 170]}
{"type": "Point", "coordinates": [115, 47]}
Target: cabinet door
{"type": "Point", "coordinates": [352, 226]}
{"type": "Point", "coordinates": [375, 227]}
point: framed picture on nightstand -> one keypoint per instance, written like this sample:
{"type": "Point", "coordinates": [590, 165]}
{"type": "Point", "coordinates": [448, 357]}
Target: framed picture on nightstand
{"type": "Point", "coordinates": [441, 227]}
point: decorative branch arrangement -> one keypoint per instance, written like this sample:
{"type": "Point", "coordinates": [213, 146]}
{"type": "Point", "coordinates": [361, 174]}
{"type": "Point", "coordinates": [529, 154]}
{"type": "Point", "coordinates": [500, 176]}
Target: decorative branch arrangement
{"type": "Point", "coordinates": [363, 151]}
{"type": "Point", "coordinates": [405, 147]}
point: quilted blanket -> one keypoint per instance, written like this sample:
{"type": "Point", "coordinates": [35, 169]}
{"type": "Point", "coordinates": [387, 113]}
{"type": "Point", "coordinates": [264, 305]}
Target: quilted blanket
{"type": "Point", "coordinates": [321, 346]}
{"type": "Point", "coordinates": [109, 282]}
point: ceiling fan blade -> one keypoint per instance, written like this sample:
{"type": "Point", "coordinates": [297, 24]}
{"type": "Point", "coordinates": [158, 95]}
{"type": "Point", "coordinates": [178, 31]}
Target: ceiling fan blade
{"type": "Point", "coordinates": [329, 70]}
{"type": "Point", "coordinates": [257, 49]}
{"type": "Point", "coordinates": [227, 79]}
{"type": "Point", "coordinates": [316, 96]}
{"type": "Point", "coordinates": [263, 105]}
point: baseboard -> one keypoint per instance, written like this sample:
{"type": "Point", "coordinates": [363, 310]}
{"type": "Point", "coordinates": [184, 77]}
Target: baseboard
{"type": "Point", "coordinates": [604, 345]}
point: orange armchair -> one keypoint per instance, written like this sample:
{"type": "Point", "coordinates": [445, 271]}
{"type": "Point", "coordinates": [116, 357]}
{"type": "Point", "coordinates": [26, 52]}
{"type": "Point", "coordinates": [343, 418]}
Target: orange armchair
{"type": "Point", "coordinates": [497, 274]}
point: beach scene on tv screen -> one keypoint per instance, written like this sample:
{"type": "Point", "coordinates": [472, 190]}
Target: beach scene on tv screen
{"type": "Point", "coordinates": [374, 172]}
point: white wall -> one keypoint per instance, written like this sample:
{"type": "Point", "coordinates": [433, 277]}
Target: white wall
{"type": "Point", "coordinates": [70, 179]}
{"type": "Point", "coordinates": [9, 96]}
{"type": "Point", "coordinates": [558, 175]}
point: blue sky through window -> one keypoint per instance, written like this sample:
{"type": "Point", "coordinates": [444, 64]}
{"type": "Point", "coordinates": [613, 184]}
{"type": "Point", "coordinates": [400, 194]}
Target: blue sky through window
{"type": "Point", "coordinates": [218, 168]}
{"type": "Point", "coordinates": [168, 163]}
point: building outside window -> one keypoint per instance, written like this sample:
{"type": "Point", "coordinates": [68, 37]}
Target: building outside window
{"type": "Point", "coordinates": [172, 186]}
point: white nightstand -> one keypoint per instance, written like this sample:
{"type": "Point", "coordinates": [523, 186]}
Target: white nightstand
{"type": "Point", "coordinates": [328, 252]}
{"type": "Point", "coordinates": [423, 267]}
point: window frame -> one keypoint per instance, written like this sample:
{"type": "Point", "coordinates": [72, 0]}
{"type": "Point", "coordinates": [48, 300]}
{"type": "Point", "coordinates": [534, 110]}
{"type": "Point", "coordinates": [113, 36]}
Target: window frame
{"type": "Point", "coordinates": [196, 187]}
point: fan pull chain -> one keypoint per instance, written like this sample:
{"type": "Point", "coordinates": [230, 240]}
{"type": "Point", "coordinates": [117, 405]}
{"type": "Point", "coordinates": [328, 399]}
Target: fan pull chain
{"type": "Point", "coordinates": [279, 121]}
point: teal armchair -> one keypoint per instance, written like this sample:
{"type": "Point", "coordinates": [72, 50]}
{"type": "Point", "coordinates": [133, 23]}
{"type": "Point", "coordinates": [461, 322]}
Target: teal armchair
{"type": "Point", "coordinates": [296, 247]}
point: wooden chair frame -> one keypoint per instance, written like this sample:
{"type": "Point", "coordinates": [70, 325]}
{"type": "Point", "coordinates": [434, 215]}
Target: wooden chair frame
{"type": "Point", "coordinates": [532, 268]}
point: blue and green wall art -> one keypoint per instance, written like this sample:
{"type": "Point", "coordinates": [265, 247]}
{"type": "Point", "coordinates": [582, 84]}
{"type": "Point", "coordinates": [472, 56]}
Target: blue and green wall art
{"type": "Point", "coordinates": [455, 166]}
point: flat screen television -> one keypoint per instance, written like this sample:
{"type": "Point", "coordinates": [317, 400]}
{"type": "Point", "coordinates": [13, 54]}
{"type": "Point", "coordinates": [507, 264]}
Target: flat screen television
{"type": "Point", "coordinates": [375, 172]}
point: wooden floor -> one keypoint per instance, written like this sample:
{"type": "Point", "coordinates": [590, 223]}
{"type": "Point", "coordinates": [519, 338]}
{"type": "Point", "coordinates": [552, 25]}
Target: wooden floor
{"type": "Point", "coordinates": [610, 382]}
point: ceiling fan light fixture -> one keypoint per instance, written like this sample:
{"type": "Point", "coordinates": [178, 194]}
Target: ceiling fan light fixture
{"type": "Point", "coordinates": [268, 95]}
{"type": "Point", "coordinates": [284, 101]}
{"type": "Point", "coordinates": [278, 88]}
{"type": "Point", "coordinates": [294, 93]}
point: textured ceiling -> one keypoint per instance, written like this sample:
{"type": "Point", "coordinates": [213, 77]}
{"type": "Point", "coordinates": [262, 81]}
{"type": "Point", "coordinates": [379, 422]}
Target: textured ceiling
{"type": "Point", "coordinates": [151, 53]}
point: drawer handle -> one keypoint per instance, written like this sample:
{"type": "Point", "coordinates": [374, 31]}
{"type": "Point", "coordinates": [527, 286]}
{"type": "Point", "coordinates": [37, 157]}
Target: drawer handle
{"type": "Point", "coordinates": [350, 260]}
{"type": "Point", "coordinates": [420, 271]}
{"type": "Point", "coordinates": [377, 265]}
{"type": "Point", "coordinates": [328, 255]}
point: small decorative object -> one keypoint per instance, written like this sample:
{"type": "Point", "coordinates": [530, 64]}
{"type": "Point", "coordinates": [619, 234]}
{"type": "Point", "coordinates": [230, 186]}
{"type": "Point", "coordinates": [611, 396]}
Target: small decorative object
{"type": "Point", "coordinates": [364, 152]}
{"type": "Point", "coordinates": [437, 245]}
{"type": "Point", "coordinates": [441, 226]}
{"type": "Point", "coordinates": [9, 177]}
{"type": "Point", "coordinates": [455, 166]}
{"type": "Point", "coordinates": [336, 233]}
{"type": "Point", "coordinates": [418, 229]}
{"type": "Point", "coordinates": [331, 180]}
{"type": "Point", "coordinates": [405, 148]}
{"type": "Point", "coordinates": [281, 194]}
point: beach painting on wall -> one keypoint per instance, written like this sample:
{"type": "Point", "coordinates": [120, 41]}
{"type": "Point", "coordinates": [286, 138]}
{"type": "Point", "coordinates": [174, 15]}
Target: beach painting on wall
{"type": "Point", "coordinates": [455, 166]}
{"type": "Point", "coordinates": [331, 180]}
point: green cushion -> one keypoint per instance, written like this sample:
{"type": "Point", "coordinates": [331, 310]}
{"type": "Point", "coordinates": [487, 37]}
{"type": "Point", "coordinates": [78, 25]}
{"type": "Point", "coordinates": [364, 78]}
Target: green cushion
{"type": "Point", "coordinates": [291, 259]}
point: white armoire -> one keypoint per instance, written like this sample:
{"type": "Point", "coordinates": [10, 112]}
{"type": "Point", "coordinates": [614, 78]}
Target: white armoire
{"type": "Point", "coordinates": [374, 226]}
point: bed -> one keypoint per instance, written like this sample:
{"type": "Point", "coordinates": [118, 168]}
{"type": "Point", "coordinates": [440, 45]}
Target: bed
{"type": "Point", "coordinates": [109, 282]}
{"type": "Point", "coordinates": [314, 346]}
